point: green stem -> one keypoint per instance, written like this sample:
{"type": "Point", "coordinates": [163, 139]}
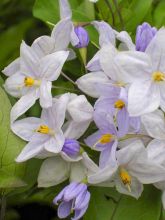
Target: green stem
{"type": "Point", "coordinates": [68, 78]}
{"type": "Point", "coordinates": [119, 14]}
{"type": "Point", "coordinates": [111, 10]}
{"type": "Point", "coordinates": [63, 88]}
{"type": "Point", "coordinates": [3, 207]}
{"type": "Point", "coordinates": [128, 136]}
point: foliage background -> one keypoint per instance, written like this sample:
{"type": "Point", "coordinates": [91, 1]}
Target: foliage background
{"type": "Point", "coordinates": [27, 20]}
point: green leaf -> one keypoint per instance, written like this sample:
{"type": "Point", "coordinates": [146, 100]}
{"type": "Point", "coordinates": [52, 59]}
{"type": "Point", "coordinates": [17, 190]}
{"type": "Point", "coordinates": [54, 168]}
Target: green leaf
{"type": "Point", "coordinates": [139, 10]}
{"type": "Point", "coordinates": [159, 15]}
{"type": "Point", "coordinates": [48, 10]}
{"type": "Point", "coordinates": [11, 39]}
{"type": "Point", "coordinates": [107, 204]}
{"type": "Point", "coordinates": [12, 174]}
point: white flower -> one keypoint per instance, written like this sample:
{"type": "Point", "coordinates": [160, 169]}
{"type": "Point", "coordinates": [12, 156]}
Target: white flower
{"type": "Point", "coordinates": [146, 73]}
{"type": "Point", "coordinates": [133, 168]}
{"type": "Point", "coordinates": [88, 82]}
{"type": "Point", "coordinates": [55, 170]}
{"type": "Point", "coordinates": [33, 79]}
{"type": "Point", "coordinates": [45, 133]}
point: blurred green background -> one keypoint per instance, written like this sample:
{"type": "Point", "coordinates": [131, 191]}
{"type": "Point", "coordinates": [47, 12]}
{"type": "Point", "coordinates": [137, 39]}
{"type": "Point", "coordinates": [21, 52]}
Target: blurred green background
{"type": "Point", "coordinates": [27, 20]}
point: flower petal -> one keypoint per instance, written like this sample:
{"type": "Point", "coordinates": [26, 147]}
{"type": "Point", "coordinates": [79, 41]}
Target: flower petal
{"type": "Point", "coordinates": [55, 144]}
{"type": "Point", "coordinates": [126, 40]}
{"type": "Point", "coordinates": [30, 150]}
{"type": "Point", "coordinates": [45, 94]}
{"type": "Point", "coordinates": [133, 66]}
{"type": "Point", "coordinates": [88, 83]}
{"type": "Point", "coordinates": [64, 209]}
{"type": "Point", "coordinates": [80, 109]}
{"type": "Point", "coordinates": [65, 10]}
{"type": "Point", "coordinates": [26, 127]}
{"type": "Point", "coordinates": [43, 46]}
{"type": "Point", "coordinates": [156, 151]}
{"type": "Point", "coordinates": [24, 103]}
{"type": "Point", "coordinates": [143, 98]}
{"type": "Point", "coordinates": [154, 124]}
{"type": "Point", "coordinates": [12, 68]}
{"type": "Point", "coordinates": [156, 50]}
{"type": "Point", "coordinates": [106, 33]}
{"type": "Point", "coordinates": [51, 65]}
{"type": "Point", "coordinates": [29, 60]}
{"type": "Point", "coordinates": [136, 187]}
{"type": "Point", "coordinates": [61, 34]}
{"type": "Point", "coordinates": [50, 172]}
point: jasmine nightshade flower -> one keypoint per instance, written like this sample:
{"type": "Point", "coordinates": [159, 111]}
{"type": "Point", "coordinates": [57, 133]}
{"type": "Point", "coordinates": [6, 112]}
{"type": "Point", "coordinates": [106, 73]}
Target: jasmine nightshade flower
{"type": "Point", "coordinates": [45, 133]}
{"type": "Point", "coordinates": [88, 82]}
{"type": "Point", "coordinates": [59, 168]}
{"type": "Point", "coordinates": [144, 35]}
{"type": "Point", "coordinates": [105, 139]}
{"type": "Point", "coordinates": [83, 37]}
{"type": "Point", "coordinates": [133, 169]}
{"type": "Point", "coordinates": [74, 198]}
{"type": "Point", "coordinates": [114, 100]}
{"type": "Point", "coordinates": [144, 72]}
{"type": "Point", "coordinates": [147, 74]}
{"type": "Point", "coordinates": [33, 80]}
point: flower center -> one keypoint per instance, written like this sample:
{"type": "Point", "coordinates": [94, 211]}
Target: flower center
{"type": "Point", "coordinates": [29, 82]}
{"type": "Point", "coordinates": [158, 76]}
{"type": "Point", "coordinates": [106, 138]}
{"type": "Point", "coordinates": [44, 129]}
{"type": "Point", "coordinates": [126, 178]}
{"type": "Point", "coordinates": [119, 104]}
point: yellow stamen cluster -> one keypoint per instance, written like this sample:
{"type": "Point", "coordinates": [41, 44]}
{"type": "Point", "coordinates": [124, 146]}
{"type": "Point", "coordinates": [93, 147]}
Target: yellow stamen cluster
{"type": "Point", "coordinates": [158, 76]}
{"type": "Point", "coordinates": [119, 104]}
{"type": "Point", "coordinates": [106, 138]}
{"type": "Point", "coordinates": [126, 178]}
{"type": "Point", "coordinates": [44, 129]}
{"type": "Point", "coordinates": [29, 81]}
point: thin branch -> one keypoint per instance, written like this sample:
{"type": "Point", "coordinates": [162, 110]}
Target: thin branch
{"type": "Point", "coordinates": [111, 10]}
{"type": "Point", "coordinates": [119, 14]}
{"type": "Point", "coordinates": [68, 78]}
{"type": "Point", "coordinates": [59, 87]}
{"type": "Point", "coordinates": [3, 207]}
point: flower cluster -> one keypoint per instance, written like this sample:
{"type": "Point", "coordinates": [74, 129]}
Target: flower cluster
{"type": "Point", "coordinates": [127, 83]}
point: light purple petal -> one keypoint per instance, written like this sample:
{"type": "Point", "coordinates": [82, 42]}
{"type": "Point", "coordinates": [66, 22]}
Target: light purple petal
{"type": "Point", "coordinates": [74, 191]}
{"type": "Point", "coordinates": [122, 122]}
{"type": "Point", "coordinates": [79, 213]}
{"type": "Point", "coordinates": [64, 209]}
{"type": "Point", "coordinates": [82, 200]}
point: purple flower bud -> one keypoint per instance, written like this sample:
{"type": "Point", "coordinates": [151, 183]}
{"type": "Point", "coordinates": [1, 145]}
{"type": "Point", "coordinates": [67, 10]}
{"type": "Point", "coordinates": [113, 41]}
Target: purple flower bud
{"type": "Point", "coordinates": [75, 197]}
{"type": "Point", "coordinates": [83, 37]}
{"type": "Point", "coordinates": [144, 35]}
{"type": "Point", "coordinates": [71, 147]}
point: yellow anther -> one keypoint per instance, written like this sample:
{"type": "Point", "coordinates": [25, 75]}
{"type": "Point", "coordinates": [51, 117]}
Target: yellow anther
{"type": "Point", "coordinates": [106, 138]}
{"type": "Point", "coordinates": [126, 178]}
{"type": "Point", "coordinates": [29, 81]}
{"type": "Point", "coordinates": [119, 104]}
{"type": "Point", "coordinates": [44, 129]}
{"type": "Point", "coordinates": [158, 76]}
